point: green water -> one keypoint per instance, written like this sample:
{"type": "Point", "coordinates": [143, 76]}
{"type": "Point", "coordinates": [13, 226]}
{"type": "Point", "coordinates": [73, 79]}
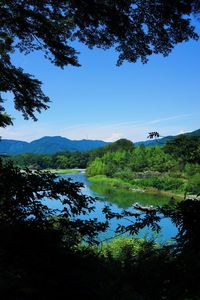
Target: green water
{"type": "Point", "coordinates": [120, 199]}
{"type": "Point", "coordinates": [125, 199]}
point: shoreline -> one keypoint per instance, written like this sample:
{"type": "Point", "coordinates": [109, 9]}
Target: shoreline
{"type": "Point", "coordinates": [114, 183]}
{"type": "Point", "coordinates": [65, 171]}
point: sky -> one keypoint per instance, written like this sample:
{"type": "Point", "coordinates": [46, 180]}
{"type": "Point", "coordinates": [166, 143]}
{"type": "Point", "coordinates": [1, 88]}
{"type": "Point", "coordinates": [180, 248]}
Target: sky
{"type": "Point", "coordinates": [104, 102]}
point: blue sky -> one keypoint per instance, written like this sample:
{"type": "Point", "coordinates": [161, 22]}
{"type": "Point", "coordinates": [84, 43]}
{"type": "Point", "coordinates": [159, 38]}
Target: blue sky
{"type": "Point", "coordinates": [102, 101]}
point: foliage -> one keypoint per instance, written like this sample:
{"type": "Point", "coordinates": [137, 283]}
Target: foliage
{"type": "Point", "coordinates": [22, 202]}
{"type": "Point", "coordinates": [5, 119]}
{"type": "Point", "coordinates": [122, 144]}
{"type": "Point", "coordinates": [193, 186]}
{"type": "Point", "coordinates": [110, 163]}
{"type": "Point", "coordinates": [125, 196]}
{"type": "Point", "coordinates": [186, 216]}
{"type": "Point", "coordinates": [186, 149]}
{"type": "Point", "coordinates": [151, 167]}
{"type": "Point", "coordinates": [161, 183]}
{"type": "Point", "coordinates": [64, 171]}
{"type": "Point", "coordinates": [38, 245]}
{"type": "Point", "coordinates": [43, 259]}
{"type": "Point", "coordinates": [192, 169]}
{"type": "Point", "coordinates": [113, 182]}
{"type": "Point", "coordinates": [145, 270]}
{"type": "Point", "coordinates": [135, 160]}
{"type": "Point", "coordinates": [60, 160]}
{"type": "Point", "coordinates": [121, 159]}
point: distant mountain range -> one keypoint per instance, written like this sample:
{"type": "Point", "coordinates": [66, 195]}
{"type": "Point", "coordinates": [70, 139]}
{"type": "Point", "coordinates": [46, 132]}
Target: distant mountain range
{"type": "Point", "coordinates": [48, 145]}
{"type": "Point", "coordinates": [53, 144]}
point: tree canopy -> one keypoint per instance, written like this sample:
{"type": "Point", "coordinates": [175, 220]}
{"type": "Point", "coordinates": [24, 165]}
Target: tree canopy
{"type": "Point", "coordinates": [184, 148]}
{"type": "Point", "coordinates": [135, 28]}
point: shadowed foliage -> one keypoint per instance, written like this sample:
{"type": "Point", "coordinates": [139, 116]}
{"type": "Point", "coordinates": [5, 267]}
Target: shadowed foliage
{"type": "Point", "coordinates": [184, 148]}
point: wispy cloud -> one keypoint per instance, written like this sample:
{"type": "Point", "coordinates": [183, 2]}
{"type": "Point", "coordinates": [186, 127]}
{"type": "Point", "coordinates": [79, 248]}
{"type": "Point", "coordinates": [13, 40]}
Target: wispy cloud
{"type": "Point", "coordinates": [170, 118]}
{"type": "Point", "coordinates": [134, 130]}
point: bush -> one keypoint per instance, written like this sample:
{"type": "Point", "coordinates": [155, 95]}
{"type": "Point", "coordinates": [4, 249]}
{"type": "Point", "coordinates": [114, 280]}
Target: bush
{"type": "Point", "coordinates": [114, 182]}
{"type": "Point", "coordinates": [193, 186]}
{"type": "Point", "coordinates": [192, 169]}
{"type": "Point", "coordinates": [126, 175]}
{"type": "Point", "coordinates": [165, 183]}
{"type": "Point", "coordinates": [122, 249]}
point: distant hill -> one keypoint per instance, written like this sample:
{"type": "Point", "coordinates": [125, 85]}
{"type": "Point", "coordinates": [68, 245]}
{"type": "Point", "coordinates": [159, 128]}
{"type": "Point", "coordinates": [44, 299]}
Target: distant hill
{"type": "Point", "coordinates": [53, 144]}
{"type": "Point", "coordinates": [12, 146]}
{"type": "Point", "coordinates": [194, 133]}
{"type": "Point", "coordinates": [48, 145]}
{"type": "Point", "coordinates": [164, 140]}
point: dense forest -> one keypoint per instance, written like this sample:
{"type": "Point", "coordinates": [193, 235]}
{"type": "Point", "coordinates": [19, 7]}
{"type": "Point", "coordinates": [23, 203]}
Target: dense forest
{"type": "Point", "coordinates": [174, 166]}
{"type": "Point", "coordinates": [60, 160]}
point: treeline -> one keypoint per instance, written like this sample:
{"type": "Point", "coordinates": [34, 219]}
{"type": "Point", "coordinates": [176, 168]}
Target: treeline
{"type": "Point", "coordinates": [65, 159]}
{"type": "Point", "coordinates": [60, 160]}
{"type": "Point", "coordinates": [181, 154]}
{"type": "Point", "coordinates": [175, 166]}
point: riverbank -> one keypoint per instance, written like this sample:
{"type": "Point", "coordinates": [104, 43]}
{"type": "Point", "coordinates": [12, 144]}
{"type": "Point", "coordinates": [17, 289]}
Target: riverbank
{"type": "Point", "coordinates": [64, 171]}
{"type": "Point", "coordinates": [121, 184]}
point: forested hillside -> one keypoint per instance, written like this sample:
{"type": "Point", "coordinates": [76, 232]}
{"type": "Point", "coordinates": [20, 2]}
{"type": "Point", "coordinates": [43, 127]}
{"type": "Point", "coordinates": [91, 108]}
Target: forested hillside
{"type": "Point", "coordinates": [48, 145]}
{"type": "Point", "coordinates": [163, 140]}
{"type": "Point", "coordinates": [54, 144]}
{"type": "Point", "coordinates": [176, 166]}
{"type": "Point", "coordinates": [172, 167]}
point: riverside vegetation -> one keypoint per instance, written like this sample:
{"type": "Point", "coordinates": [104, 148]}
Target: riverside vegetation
{"type": "Point", "coordinates": [173, 168]}
{"type": "Point", "coordinates": [44, 256]}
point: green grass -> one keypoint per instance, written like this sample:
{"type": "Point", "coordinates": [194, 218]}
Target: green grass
{"type": "Point", "coordinates": [124, 198]}
{"type": "Point", "coordinates": [121, 191]}
{"type": "Point", "coordinates": [161, 183]}
{"type": "Point", "coordinates": [113, 182]}
{"type": "Point", "coordinates": [63, 171]}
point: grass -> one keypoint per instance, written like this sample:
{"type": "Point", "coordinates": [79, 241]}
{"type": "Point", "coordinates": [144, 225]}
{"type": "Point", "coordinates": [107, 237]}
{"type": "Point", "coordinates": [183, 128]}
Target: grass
{"type": "Point", "coordinates": [121, 184]}
{"type": "Point", "coordinates": [113, 182]}
{"type": "Point", "coordinates": [63, 171]}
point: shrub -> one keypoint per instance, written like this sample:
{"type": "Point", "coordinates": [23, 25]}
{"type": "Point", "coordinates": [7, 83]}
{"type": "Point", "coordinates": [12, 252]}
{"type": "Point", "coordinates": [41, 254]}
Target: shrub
{"type": "Point", "coordinates": [192, 169]}
{"type": "Point", "coordinates": [193, 186]}
{"type": "Point", "coordinates": [165, 183]}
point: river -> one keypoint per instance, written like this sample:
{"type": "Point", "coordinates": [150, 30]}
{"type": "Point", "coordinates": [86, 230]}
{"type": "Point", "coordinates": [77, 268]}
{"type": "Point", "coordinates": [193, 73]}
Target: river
{"type": "Point", "coordinates": [120, 199]}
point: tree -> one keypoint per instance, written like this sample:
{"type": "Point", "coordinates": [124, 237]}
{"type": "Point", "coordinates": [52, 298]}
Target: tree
{"type": "Point", "coordinates": [21, 203]}
{"type": "Point", "coordinates": [135, 28]}
{"type": "Point", "coordinates": [185, 149]}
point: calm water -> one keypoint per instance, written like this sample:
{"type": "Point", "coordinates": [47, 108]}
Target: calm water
{"type": "Point", "coordinates": [120, 199]}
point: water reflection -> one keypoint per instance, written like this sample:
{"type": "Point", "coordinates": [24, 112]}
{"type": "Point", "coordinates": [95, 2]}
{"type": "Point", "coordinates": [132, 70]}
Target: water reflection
{"type": "Point", "coordinates": [120, 199]}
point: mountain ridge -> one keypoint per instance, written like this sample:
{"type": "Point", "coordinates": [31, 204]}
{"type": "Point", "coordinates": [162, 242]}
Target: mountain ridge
{"type": "Point", "coordinates": [164, 140]}
{"type": "Point", "coordinates": [48, 145]}
{"type": "Point", "coordinates": [53, 144]}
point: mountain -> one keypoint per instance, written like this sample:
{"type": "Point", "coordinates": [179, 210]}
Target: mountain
{"type": "Point", "coordinates": [48, 145]}
{"type": "Point", "coordinates": [164, 140]}
{"type": "Point", "coordinates": [194, 133]}
{"type": "Point", "coordinates": [53, 144]}
{"type": "Point", "coordinates": [12, 146]}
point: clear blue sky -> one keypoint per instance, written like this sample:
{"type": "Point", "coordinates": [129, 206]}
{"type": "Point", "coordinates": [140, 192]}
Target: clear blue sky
{"type": "Point", "coordinates": [102, 101]}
